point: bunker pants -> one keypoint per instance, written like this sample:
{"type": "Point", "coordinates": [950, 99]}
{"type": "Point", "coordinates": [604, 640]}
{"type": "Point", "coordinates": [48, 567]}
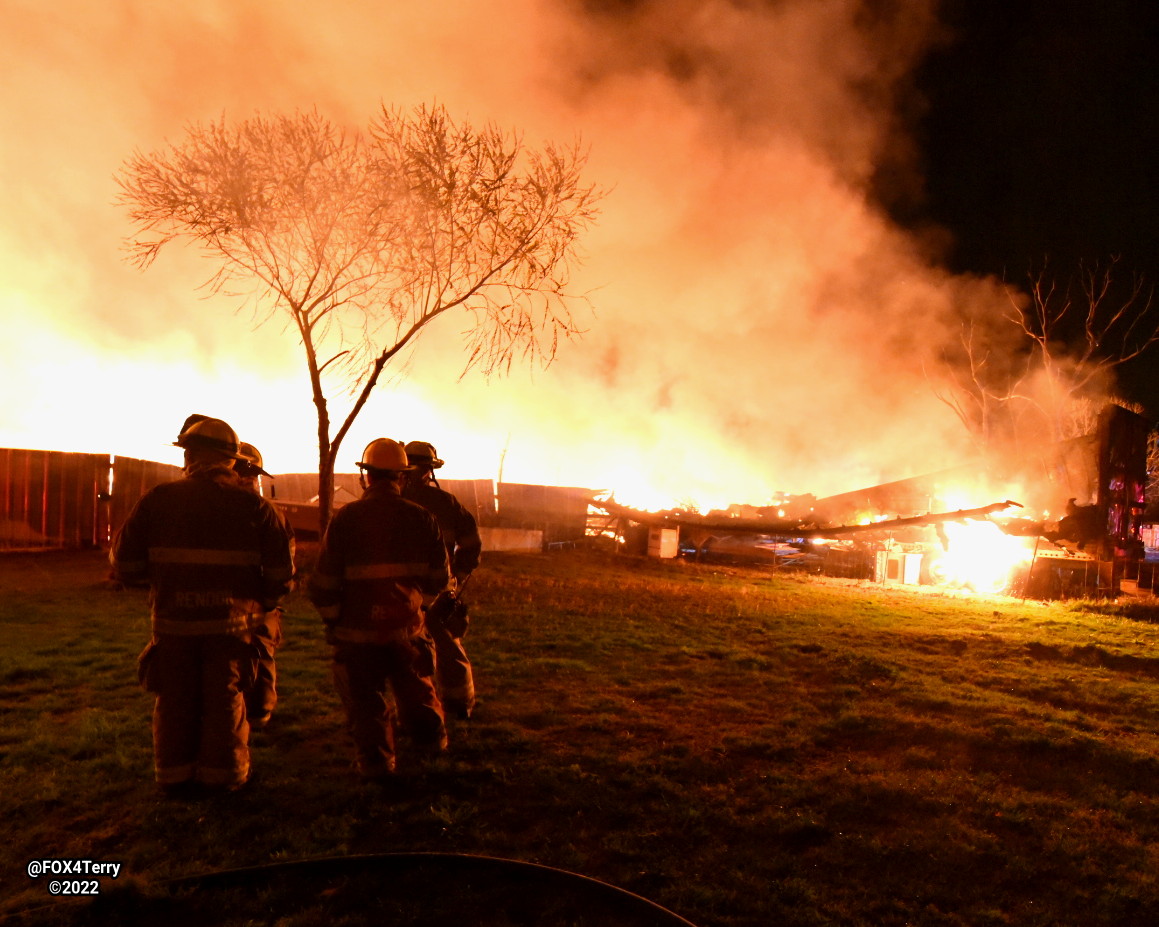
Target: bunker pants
{"type": "Point", "coordinates": [200, 732]}
{"type": "Point", "coordinates": [454, 676]}
{"type": "Point", "coordinates": [366, 677]}
{"type": "Point", "coordinates": [262, 696]}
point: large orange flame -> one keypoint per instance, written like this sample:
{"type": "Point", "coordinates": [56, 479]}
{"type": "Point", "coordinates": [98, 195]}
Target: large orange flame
{"type": "Point", "coordinates": [980, 557]}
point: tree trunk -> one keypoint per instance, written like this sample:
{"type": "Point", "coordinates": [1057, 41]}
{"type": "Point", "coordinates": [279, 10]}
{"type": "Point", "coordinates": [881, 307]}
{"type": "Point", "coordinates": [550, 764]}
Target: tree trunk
{"type": "Point", "coordinates": [325, 490]}
{"type": "Point", "coordinates": [325, 458]}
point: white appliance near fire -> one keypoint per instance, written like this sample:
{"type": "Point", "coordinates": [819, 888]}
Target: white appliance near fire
{"type": "Point", "coordinates": [895, 566]}
{"type": "Point", "coordinates": [663, 542]}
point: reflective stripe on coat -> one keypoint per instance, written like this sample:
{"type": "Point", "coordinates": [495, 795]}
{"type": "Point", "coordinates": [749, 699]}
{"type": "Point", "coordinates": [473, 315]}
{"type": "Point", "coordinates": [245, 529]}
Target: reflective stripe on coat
{"type": "Point", "coordinates": [380, 556]}
{"type": "Point", "coordinates": [216, 556]}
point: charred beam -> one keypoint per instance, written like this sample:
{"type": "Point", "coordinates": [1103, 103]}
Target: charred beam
{"type": "Point", "coordinates": [795, 529]}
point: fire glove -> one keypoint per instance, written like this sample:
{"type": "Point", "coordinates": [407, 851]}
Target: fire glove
{"type": "Point", "coordinates": [146, 676]}
{"type": "Point", "coordinates": [424, 656]}
{"type": "Point", "coordinates": [449, 613]}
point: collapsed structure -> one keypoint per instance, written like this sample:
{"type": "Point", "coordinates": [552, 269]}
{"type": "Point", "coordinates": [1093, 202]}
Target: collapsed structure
{"type": "Point", "coordinates": [1075, 529]}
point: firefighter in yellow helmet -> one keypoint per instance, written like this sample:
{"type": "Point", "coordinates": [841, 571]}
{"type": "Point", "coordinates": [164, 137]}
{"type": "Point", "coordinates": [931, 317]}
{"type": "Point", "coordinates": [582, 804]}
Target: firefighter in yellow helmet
{"type": "Point", "coordinates": [381, 557]}
{"type": "Point", "coordinates": [216, 558]}
{"type": "Point", "coordinates": [446, 619]}
{"type": "Point", "coordinates": [262, 696]}
{"type": "Point", "coordinates": [249, 468]}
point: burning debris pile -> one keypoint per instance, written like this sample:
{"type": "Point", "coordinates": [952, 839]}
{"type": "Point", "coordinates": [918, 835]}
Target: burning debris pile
{"type": "Point", "coordinates": [1048, 545]}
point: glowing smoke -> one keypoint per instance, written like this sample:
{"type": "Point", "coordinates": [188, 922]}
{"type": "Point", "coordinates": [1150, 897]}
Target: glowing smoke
{"type": "Point", "coordinates": [758, 324]}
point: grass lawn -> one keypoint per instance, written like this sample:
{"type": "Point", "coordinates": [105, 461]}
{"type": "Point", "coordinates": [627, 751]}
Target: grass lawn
{"type": "Point", "coordinates": [739, 746]}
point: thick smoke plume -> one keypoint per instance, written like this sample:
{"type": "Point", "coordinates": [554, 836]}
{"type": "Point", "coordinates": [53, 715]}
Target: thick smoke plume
{"type": "Point", "coordinates": [757, 323]}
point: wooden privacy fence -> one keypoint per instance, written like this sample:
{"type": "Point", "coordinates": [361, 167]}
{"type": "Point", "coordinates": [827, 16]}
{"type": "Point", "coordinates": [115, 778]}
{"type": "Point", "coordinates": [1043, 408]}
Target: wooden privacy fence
{"type": "Point", "coordinates": [56, 499]}
{"type": "Point", "coordinates": [560, 512]}
{"type": "Point", "coordinates": [133, 478]}
{"type": "Point", "coordinates": [53, 499]}
{"type": "Point", "coordinates": [477, 495]}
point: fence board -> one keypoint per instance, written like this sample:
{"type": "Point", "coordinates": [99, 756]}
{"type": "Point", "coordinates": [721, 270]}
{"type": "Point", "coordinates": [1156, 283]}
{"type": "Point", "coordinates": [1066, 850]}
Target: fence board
{"type": "Point", "coordinates": [476, 496]}
{"type": "Point", "coordinates": [132, 478]}
{"type": "Point", "coordinates": [52, 499]}
{"type": "Point", "coordinates": [560, 512]}
{"type": "Point", "coordinates": [303, 487]}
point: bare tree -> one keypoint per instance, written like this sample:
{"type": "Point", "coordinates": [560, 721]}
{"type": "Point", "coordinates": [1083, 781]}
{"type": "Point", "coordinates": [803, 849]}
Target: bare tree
{"type": "Point", "coordinates": [977, 384]}
{"type": "Point", "coordinates": [1048, 376]}
{"type": "Point", "coordinates": [363, 239]}
{"type": "Point", "coordinates": [1077, 334]}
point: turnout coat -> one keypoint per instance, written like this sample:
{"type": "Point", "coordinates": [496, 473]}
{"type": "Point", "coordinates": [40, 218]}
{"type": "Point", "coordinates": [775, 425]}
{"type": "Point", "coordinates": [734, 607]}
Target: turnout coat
{"type": "Point", "coordinates": [381, 556]}
{"type": "Point", "coordinates": [215, 556]}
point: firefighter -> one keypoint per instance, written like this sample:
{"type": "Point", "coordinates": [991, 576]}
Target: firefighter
{"type": "Point", "coordinates": [262, 696]}
{"type": "Point", "coordinates": [217, 559]}
{"type": "Point", "coordinates": [455, 678]}
{"type": "Point", "coordinates": [249, 468]}
{"type": "Point", "coordinates": [381, 557]}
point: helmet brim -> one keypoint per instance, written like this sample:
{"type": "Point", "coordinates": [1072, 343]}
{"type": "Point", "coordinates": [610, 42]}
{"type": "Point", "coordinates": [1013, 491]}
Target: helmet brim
{"type": "Point", "coordinates": [255, 468]}
{"type": "Point", "coordinates": [208, 444]}
{"type": "Point", "coordinates": [365, 466]}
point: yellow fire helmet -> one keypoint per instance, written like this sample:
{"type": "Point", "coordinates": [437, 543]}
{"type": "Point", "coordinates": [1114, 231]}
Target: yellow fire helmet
{"type": "Point", "coordinates": [423, 454]}
{"type": "Point", "coordinates": [251, 456]}
{"type": "Point", "coordinates": [385, 454]}
{"type": "Point", "coordinates": [211, 434]}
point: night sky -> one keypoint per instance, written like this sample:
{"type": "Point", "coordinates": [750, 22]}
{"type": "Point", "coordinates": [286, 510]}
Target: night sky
{"type": "Point", "coordinates": [1038, 130]}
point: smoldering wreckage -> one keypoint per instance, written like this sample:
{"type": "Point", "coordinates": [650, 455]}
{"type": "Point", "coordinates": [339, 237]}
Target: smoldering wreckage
{"type": "Point", "coordinates": [1076, 529]}
{"type": "Point", "coordinates": [1065, 521]}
